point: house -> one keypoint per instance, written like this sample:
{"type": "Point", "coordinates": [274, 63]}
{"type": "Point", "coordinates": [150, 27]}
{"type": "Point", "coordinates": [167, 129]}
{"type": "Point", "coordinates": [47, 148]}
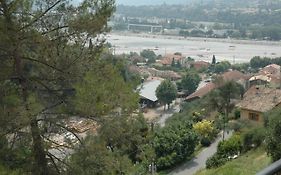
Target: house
{"type": "Point", "coordinates": [269, 75]}
{"type": "Point", "coordinates": [137, 59]}
{"type": "Point", "coordinates": [259, 80]}
{"type": "Point", "coordinates": [257, 101]}
{"type": "Point", "coordinates": [237, 76]}
{"type": "Point", "coordinates": [171, 75]}
{"type": "Point", "coordinates": [208, 87]}
{"type": "Point", "coordinates": [147, 92]}
{"type": "Point", "coordinates": [168, 59]}
{"type": "Point", "coordinates": [198, 65]}
{"type": "Point", "coordinates": [272, 69]}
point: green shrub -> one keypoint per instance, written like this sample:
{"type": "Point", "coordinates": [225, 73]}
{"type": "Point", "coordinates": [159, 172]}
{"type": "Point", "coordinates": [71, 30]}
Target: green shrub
{"type": "Point", "coordinates": [237, 114]}
{"type": "Point", "coordinates": [230, 147]}
{"type": "Point", "coordinates": [226, 148]}
{"type": "Point", "coordinates": [253, 138]}
{"type": "Point", "coordinates": [173, 144]}
{"type": "Point", "coordinates": [205, 141]}
{"type": "Point", "coordinates": [216, 161]}
{"type": "Point", "coordinates": [236, 126]}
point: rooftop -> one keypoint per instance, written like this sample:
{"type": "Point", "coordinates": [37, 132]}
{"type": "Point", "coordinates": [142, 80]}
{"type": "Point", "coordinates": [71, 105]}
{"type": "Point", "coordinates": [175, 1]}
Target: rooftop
{"type": "Point", "coordinates": [168, 59]}
{"type": "Point", "coordinates": [148, 89]}
{"type": "Point", "coordinates": [234, 76]}
{"type": "Point", "coordinates": [260, 99]}
{"type": "Point", "coordinates": [202, 91]}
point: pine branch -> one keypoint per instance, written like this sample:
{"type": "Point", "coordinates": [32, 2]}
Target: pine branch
{"type": "Point", "coordinates": [41, 15]}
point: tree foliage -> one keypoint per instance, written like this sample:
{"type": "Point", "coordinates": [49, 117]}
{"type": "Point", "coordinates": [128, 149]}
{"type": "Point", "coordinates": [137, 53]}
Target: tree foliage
{"type": "Point", "coordinates": [273, 138]}
{"type": "Point", "coordinates": [46, 47]}
{"type": "Point", "coordinates": [190, 82]}
{"type": "Point", "coordinates": [226, 149]}
{"type": "Point", "coordinates": [214, 60]}
{"type": "Point", "coordinates": [205, 130]}
{"type": "Point", "coordinates": [100, 85]}
{"type": "Point", "coordinates": [174, 144]}
{"type": "Point", "coordinates": [220, 98]}
{"type": "Point", "coordinates": [148, 54]}
{"type": "Point", "coordinates": [253, 138]}
{"type": "Point", "coordinates": [259, 62]}
{"type": "Point", "coordinates": [230, 147]}
{"type": "Point", "coordinates": [95, 158]}
{"type": "Point", "coordinates": [222, 67]}
{"type": "Point", "coordinates": [166, 92]}
{"type": "Point", "coordinates": [119, 144]}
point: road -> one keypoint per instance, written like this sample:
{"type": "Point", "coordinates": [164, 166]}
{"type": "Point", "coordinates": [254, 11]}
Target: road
{"type": "Point", "coordinates": [167, 114]}
{"type": "Point", "coordinates": [198, 162]}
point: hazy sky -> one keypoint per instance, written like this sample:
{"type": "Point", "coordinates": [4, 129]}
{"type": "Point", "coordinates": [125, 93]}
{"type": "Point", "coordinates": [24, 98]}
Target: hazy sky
{"type": "Point", "coordinates": [149, 2]}
{"type": "Point", "coordinates": [146, 2]}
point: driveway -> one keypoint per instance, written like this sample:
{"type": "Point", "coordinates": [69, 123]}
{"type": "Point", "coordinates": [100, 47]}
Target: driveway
{"type": "Point", "coordinates": [198, 162]}
{"type": "Point", "coordinates": [167, 114]}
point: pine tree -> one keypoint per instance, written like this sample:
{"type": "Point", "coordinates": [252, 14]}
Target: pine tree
{"type": "Point", "coordinates": [43, 53]}
{"type": "Point", "coordinates": [214, 60]}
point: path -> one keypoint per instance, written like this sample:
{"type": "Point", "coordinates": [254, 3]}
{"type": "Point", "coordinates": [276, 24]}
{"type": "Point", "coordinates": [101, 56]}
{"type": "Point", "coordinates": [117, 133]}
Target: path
{"type": "Point", "coordinates": [168, 113]}
{"type": "Point", "coordinates": [174, 108]}
{"type": "Point", "coordinates": [198, 162]}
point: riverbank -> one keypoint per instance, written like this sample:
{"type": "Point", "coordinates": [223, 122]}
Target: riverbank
{"type": "Point", "coordinates": [234, 51]}
{"type": "Point", "coordinates": [174, 37]}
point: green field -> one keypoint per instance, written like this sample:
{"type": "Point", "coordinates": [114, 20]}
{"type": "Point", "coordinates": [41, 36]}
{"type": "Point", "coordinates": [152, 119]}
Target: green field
{"type": "Point", "coordinates": [247, 164]}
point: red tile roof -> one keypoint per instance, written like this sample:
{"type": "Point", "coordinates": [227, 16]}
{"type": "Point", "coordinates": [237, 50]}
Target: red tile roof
{"type": "Point", "coordinates": [233, 76]}
{"type": "Point", "coordinates": [202, 91]}
{"type": "Point", "coordinates": [260, 99]}
{"type": "Point", "coordinates": [168, 59]}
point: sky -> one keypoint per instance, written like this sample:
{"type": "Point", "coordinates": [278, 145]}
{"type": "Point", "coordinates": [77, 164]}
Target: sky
{"type": "Point", "coordinates": [149, 2]}
{"type": "Point", "coordinates": [146, 2]}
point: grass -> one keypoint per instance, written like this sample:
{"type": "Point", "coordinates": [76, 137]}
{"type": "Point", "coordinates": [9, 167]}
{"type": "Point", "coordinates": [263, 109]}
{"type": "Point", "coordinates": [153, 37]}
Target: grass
{"type": "Point", "coordinates": [247, 164]}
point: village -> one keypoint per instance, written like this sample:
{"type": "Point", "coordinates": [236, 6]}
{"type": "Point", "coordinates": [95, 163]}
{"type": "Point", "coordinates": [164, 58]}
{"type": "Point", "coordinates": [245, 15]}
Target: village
{"type": "Point", "coordinates": [196, 81]}
{"type": "Point", "coordinates": [259, 94]}
{"type": "Point", "coordinates": [259, 87]}
{"type": "Point", "coordinates": [129, 87]}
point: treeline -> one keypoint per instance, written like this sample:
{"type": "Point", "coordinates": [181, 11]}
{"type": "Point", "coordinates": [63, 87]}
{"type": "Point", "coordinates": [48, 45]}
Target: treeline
{"type": "Point", "coordinates": [264, 15]}
{"type": "Point", "coordinates": [259, 62]}
{"type": "Point", "coordinates": [263, 23]}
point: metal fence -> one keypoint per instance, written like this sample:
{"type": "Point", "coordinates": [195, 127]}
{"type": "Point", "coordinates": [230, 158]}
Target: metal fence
{"type": "Point", "coordinates": [273, 169]}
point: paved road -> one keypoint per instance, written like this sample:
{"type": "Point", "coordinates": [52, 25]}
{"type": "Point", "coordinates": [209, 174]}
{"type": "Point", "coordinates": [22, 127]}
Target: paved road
{"type": "Point", "coordinates": [198, 162]}
{"type": "Point", "coordinates": [167, 114]}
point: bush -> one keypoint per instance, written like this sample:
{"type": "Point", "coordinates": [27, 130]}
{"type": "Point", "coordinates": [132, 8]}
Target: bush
{"type": "Point", "coordinates": [230, 147]}
{"type": "Point", "coordinates": [173, 144]}
{"type": "Point", "coordinates": [236, 126]}
{"type": "Point", "coordinates": [237, 114]}
{"type": "Point", "coordinates": [226, 148]}
{"type": "Point", "coordinates": [273, 138]}
{"type": "Point", "coordinates": [216, 161]}
{"type": "Point", "coordinates": [253, 138]}
{"type": "Point", "coordinates": [205, 141]}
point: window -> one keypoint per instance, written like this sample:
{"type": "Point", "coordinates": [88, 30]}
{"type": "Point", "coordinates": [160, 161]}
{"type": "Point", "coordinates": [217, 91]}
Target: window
{"type": "Point", "coordinates": [253, 116]}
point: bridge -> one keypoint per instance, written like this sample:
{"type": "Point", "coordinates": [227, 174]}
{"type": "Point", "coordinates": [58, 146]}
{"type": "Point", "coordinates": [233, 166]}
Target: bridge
{"type": "Point", "coordinates": [151, 27]}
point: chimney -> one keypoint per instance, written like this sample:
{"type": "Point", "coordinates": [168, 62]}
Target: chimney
{"type": "Point", "coordinates": [257, 91]}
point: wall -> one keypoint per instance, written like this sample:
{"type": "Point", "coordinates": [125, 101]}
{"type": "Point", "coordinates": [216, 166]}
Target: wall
{"type": "Point", "coordinates": [246, 113]}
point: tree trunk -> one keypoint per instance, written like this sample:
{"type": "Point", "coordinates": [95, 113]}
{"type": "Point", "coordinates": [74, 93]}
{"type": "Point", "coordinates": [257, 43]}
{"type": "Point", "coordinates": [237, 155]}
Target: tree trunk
{"type": "Point", "coordinates": [40, 164]}
{"type": "Point", "coordinates": [39, 155]}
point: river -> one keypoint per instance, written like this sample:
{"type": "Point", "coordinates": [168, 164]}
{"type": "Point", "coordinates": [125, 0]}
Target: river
{"type": "Point", "coordinates": [234, 51]}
